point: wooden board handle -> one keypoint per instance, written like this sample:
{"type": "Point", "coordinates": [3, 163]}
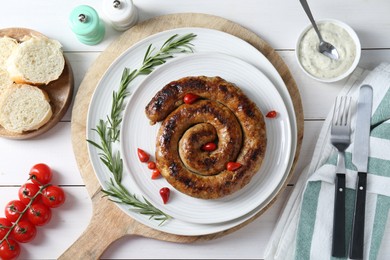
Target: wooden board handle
{"type": "Point", "coordinates": [107, 225]}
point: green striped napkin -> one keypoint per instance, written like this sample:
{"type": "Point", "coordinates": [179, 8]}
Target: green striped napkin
{"type": "Point", "coordinates": [304, 230]}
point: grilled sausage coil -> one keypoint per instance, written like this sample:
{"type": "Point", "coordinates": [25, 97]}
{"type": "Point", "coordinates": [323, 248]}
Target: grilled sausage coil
{"type": "Point", "coordinates": [224, 115]}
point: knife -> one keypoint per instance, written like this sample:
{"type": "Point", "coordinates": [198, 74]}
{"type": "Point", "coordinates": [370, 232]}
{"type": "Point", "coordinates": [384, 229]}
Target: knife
{"type": "Point", "coordinates": [360, 160]}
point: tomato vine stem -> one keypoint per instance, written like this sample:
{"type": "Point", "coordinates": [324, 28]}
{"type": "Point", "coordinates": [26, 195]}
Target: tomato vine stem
{"type": "Point", "coordinates": [41, 188]}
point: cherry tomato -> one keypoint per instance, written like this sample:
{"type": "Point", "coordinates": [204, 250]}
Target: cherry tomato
{"type": "Point", "coordinates": [190, 98]}
{"type": "Point", "coordinates": [40, 174]}
{"type": "Point", "coordinates": [156, 174]}
{"type": "Point", "coordinates": [209, 147]}
{"type": "Point", "coordinates": [53, 196]}
{"type": "Point", "coordinates": [24, 231]}
{"type": "Point", "coordinates": [9, 249]}
{"type": "Point", "coordinates": [232, 166]}
{"type": "Point", "coordinates": [164, 193]}
{"type": "Point", "coordinates": [39, 214]}
{"type": "Point", "coordinates": [14, 209]}
{"type": "Point", "coordinates": [142, 155]}
{"type": "Point", "coordinates": [5, 225]}
{"type": "Point", "coordinates": [151, 165]}
{"type": "Point", "coordinates": [27, 191]}
{"type": "Point", "coordinates": [271, 114]}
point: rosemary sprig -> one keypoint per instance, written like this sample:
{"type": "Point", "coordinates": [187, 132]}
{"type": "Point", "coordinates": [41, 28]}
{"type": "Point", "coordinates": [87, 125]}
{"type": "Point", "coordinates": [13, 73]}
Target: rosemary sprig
{"type": "Point", "coordinates": [120, 194]}
{"type": "Point", "coordinates": [109, 130]}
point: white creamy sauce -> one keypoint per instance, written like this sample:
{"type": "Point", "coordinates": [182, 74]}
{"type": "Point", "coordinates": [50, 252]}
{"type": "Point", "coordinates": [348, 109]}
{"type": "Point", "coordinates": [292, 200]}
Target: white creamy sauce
{"type": "Point", "coordinates": [319, 65]}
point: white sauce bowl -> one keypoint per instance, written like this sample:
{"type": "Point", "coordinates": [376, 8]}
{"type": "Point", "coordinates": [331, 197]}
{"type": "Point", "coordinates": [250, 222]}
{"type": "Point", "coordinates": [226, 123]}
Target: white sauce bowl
{"type": "Point", "coordinates": [317, 65]}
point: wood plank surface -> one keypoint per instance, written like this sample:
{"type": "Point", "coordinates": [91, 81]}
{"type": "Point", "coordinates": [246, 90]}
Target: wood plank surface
{"type": "Point", "coordinates": [278, 22]}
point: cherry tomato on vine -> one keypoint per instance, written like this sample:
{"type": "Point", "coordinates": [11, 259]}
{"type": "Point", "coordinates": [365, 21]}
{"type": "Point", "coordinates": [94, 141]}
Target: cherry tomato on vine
{"type": "Point", "coordinates": [53, 196]}
{"type": "Point", "coordinates": [5, 225]}
{"type": "Point", "coordinates": [13, 210]}
{"type": "Point", "coordinates": [27, 191]}
{"type": "Point", "coordinates": [190, 98]}
{"type": "Point", "coordinates": [232, 166]}
{"type": "Point", "coordinates": [9, 250]}
{"type": "Point", "coordinates": [142, 155]}
{"type": "Point", "coordinates": [39, 214]}
{"type": "Point", "coordinates": [40, 174]}
{"type": "Point", "coordinates": [24, 231]}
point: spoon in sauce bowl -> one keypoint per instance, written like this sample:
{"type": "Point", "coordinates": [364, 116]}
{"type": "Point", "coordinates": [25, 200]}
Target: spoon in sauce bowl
{"type": "Point", "coordinates": [325, 47]}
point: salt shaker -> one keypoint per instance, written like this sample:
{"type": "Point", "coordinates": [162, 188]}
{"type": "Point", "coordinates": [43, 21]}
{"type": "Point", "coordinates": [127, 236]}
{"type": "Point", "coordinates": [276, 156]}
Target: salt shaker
{"type": "Point", "coordinates": [122, 14]}
{"type": "Point", "coordinates": [86, 24]}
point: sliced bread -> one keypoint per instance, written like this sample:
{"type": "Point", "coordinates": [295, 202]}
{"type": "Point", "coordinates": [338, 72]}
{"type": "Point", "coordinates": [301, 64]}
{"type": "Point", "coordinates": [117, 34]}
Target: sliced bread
{"type": "Point", "coordinates": [36, 61]}
{"type": "Point", "coordinates": [24, 108]}
{"type": "Point", "coordinates": [5, 81]}
{"type": "Point", "coordinates": [7, 46]}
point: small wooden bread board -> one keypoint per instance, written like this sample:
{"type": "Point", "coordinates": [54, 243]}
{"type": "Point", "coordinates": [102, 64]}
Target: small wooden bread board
{"type": "Point", "coordinates": [108, 222]}
{"type": "Point", "coordinates": [60, 91]}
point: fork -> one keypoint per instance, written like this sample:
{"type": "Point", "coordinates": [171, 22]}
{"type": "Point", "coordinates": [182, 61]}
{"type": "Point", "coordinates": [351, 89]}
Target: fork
{"type": "Point", "coordinates": [340, 137]}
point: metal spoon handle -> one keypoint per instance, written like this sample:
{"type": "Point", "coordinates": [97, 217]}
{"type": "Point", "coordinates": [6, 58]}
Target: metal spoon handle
{"type": "Point", "coordinates": [308, 12]}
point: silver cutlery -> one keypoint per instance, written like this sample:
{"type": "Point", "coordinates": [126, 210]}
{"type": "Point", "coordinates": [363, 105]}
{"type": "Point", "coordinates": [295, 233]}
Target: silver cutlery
{"type": "Point", "coordinates": [340, 138]}
{"type": "Point", "coordinates": [325, 47]}
{"type": "Point", "coordinates": [360, 160]}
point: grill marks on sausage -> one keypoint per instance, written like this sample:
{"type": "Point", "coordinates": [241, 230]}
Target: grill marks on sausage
{"type": "Point", "coordinates": [168, 101]}
{"type": "Point", "coordinates": [245, 106]}
{"type": "Point", "coordinates": [173, 171]}
{"type": "Point", "coordinates": [167, 133]}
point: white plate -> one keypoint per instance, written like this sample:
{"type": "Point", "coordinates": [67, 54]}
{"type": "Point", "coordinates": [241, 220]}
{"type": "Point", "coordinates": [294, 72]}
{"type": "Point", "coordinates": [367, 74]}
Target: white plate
{"type": "Point", "coordinates": [136, 133]}
{"type": "Point", "coordinates": [207, 40]}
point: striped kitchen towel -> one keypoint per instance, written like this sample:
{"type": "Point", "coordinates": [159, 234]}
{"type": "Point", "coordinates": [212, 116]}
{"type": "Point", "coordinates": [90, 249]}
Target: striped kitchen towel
{"type": "Point", "coordinates": [304, 229]}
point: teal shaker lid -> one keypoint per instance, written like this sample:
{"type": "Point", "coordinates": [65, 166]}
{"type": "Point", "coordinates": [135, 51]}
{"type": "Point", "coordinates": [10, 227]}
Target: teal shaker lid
{"type": "Point", "coordinates": [86, 24]}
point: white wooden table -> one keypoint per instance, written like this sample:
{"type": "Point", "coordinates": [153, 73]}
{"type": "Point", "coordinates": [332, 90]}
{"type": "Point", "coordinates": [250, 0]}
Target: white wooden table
{"type": "Point", "coordinates": [279, 22]}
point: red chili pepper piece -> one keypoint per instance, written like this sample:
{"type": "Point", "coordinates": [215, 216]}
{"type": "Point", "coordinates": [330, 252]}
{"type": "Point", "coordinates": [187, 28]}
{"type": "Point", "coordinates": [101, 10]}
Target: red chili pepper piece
{"type": "Point", "coordinates": [151, 165]}
{"type": "Point", "coordinates": [164, 193]}
{"type": "Point", "coordinates": [142, 155]}
{"type": "Point", "coordinates": [209, 147]}
{"type": "Point", "coordinates": [271, 114]}
{"type": "Point", "coordinates": [232, 166]}
{"type": "Point", "coordinates": [156, 174]}
{"type": "Point", "coordinates": [190, 98]}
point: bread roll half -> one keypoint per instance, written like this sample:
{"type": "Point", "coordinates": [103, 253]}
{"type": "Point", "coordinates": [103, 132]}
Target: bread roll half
{"type": "Point", "coordinates": [36, 61]}
{"type": "Point", "coordinates": [24, 108]}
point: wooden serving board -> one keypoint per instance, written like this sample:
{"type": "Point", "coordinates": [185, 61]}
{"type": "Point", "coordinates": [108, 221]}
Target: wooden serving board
{"type": "Point", "coordinates": [108, 222]}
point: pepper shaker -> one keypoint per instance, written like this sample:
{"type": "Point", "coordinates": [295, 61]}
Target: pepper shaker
{"type": "Point", "coordinates": [86, 24]}
{"type": "Point", "coordinates": [122, 14]}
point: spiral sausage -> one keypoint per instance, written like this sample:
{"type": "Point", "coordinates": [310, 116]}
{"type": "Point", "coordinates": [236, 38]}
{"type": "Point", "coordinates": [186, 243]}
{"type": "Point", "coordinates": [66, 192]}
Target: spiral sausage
{"type": "Point", "coordinates": [223, 114]}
